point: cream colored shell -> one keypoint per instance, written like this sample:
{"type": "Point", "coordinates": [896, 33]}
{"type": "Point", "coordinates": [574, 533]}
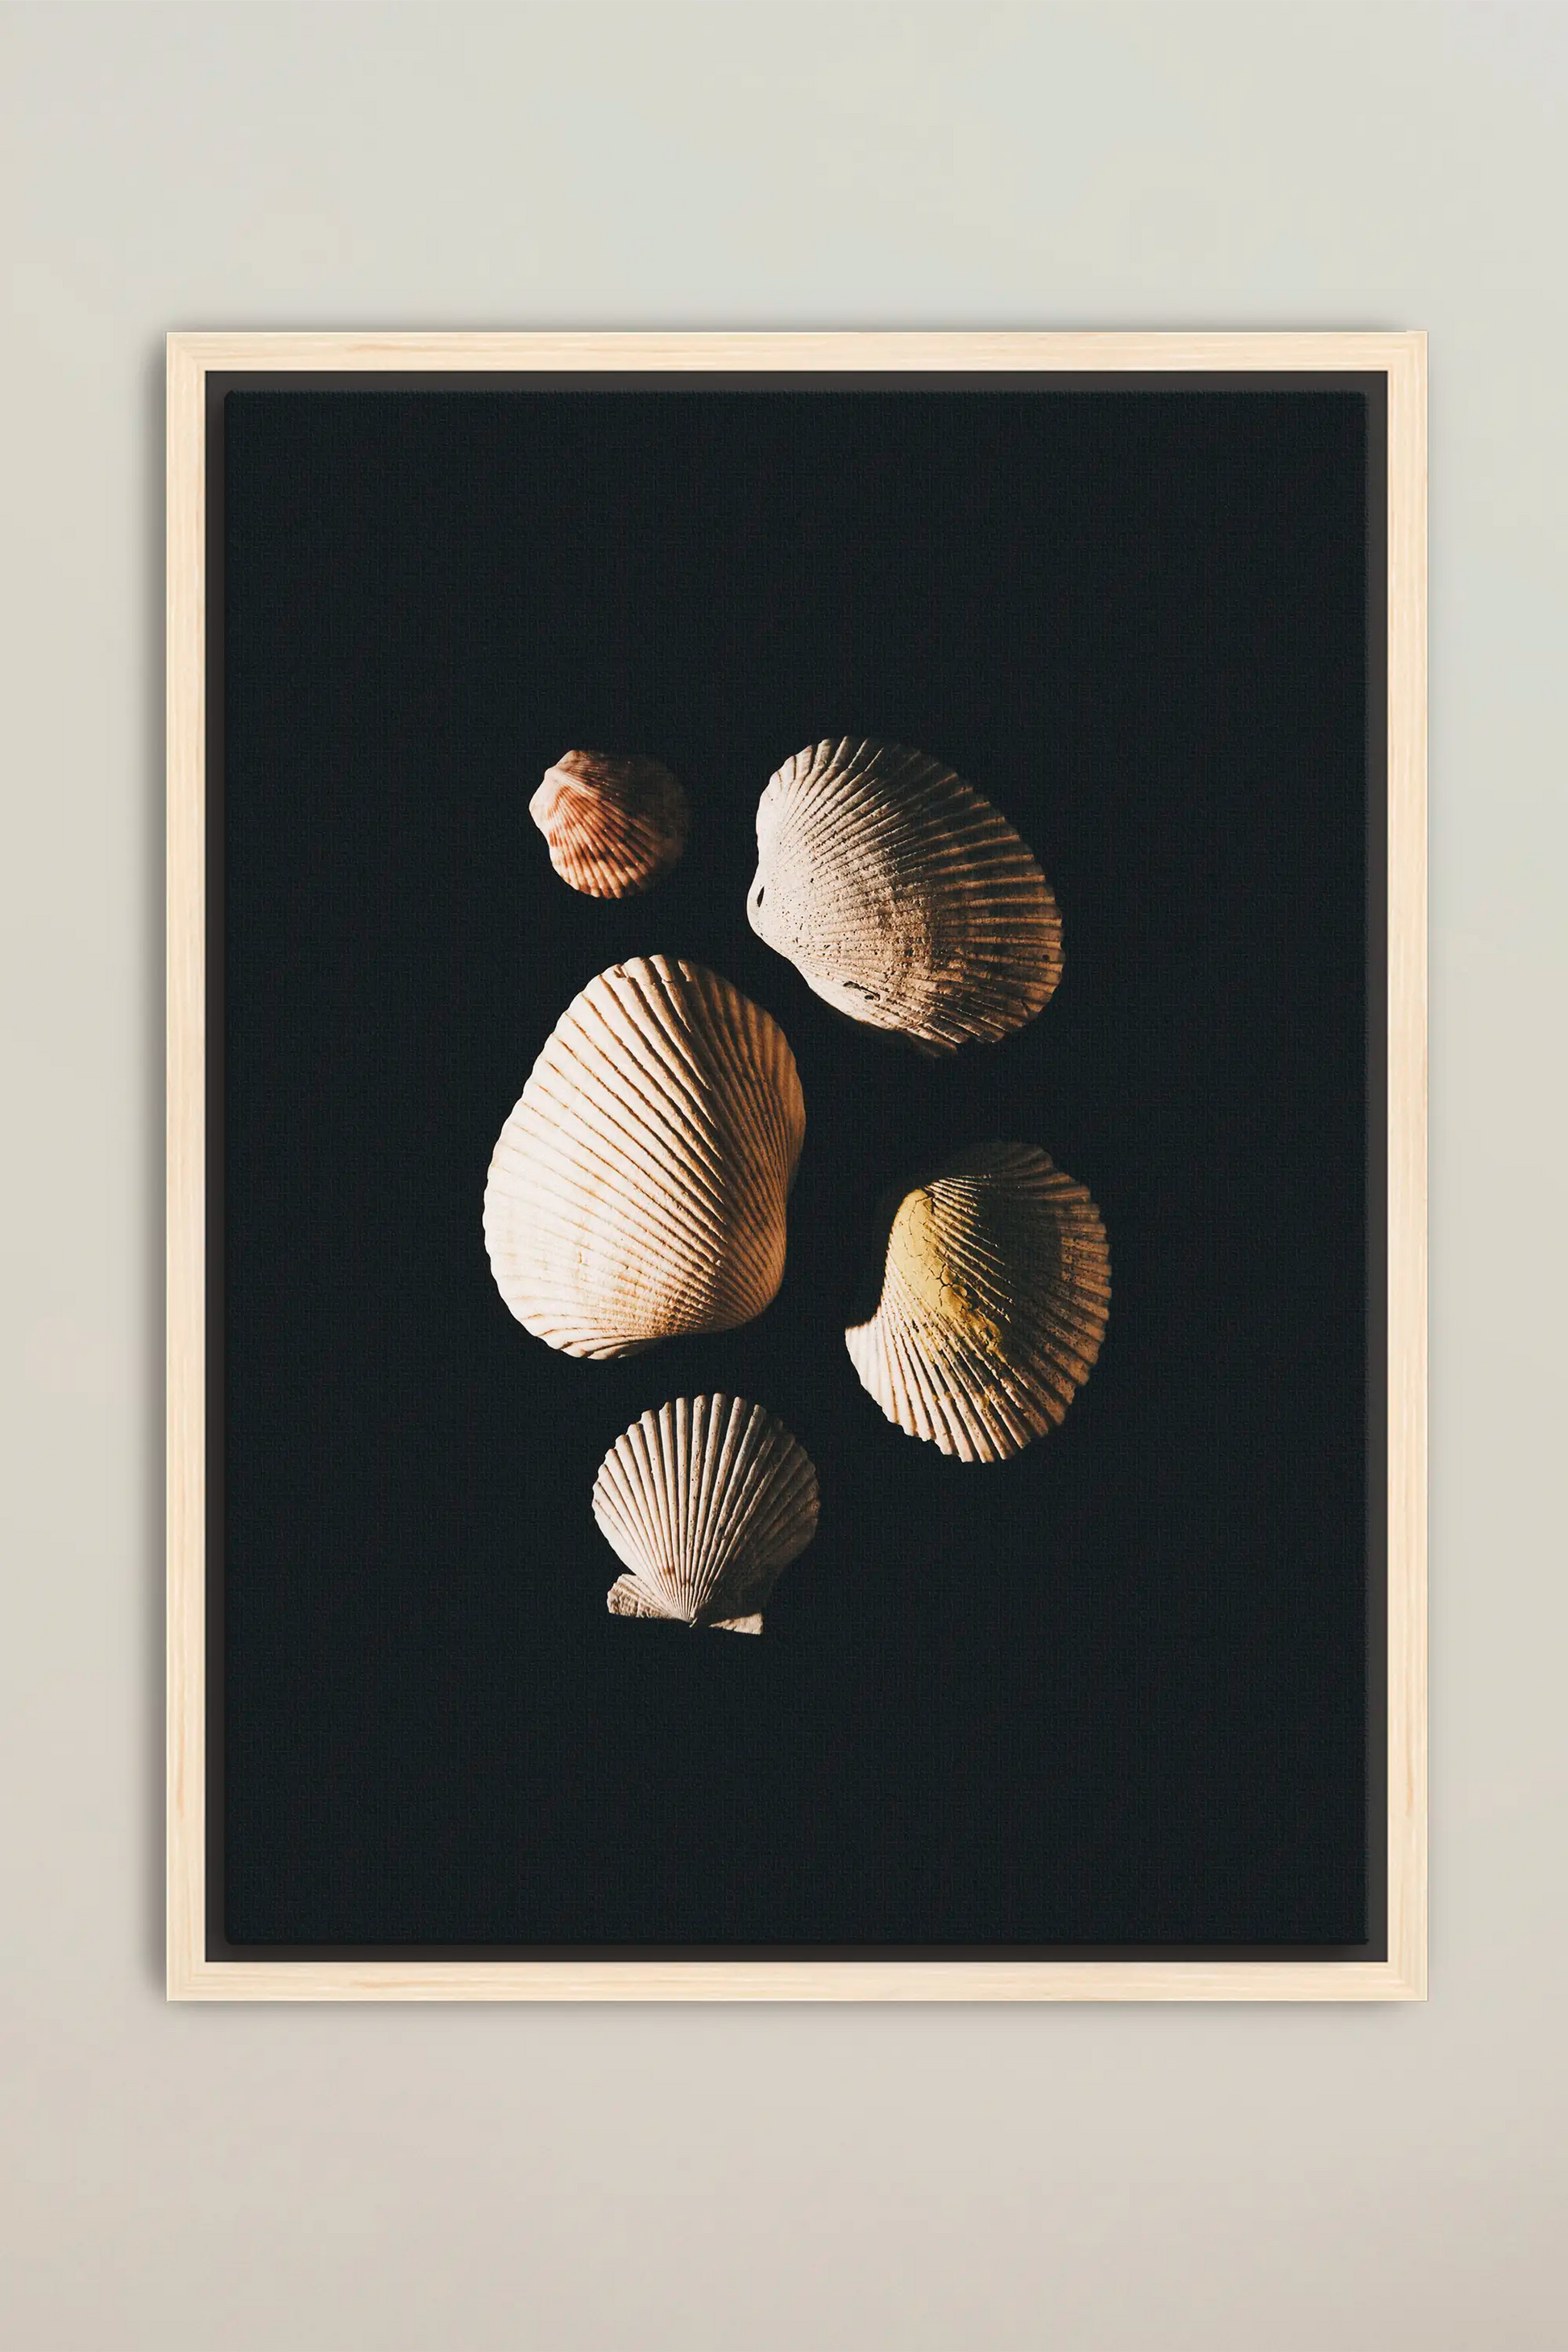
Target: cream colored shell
{"type": "Point", "coordinates": [613, 825]}
{"type": "Point", "coordinates": [903, 897]}
{"type": "Point", "coordinates": [637, 1190]}
{"type": "Point", "coordinates": [995, 1286]}
{"type": "Point", "coordinates": [705, 1501]}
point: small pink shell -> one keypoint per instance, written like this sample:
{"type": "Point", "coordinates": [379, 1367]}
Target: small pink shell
{"type": "Point", "coordinates": [613, 825]}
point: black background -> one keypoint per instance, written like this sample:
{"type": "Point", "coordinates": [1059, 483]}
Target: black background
{"type": "Point", "coordinates": [1113, 1692]}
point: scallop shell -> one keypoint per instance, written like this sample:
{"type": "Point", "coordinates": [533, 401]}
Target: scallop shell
{"type": "Point", "coordinates": [902, 897]}
{"type": "Point", "coordinates": [637, 1190]}
{"type": "Point", "coordinates": [613, 825]}
{"type": "Point", "coordinates": [707, 1501]}
{"type": "Point", "coordinates": [995, 1290]}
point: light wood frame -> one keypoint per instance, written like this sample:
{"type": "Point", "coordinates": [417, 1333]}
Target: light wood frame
{"type": "Point", "coordinates": [1401, 358]}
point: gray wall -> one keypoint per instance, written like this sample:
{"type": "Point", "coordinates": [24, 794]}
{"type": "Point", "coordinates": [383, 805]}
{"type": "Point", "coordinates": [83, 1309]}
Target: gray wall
{"type": "Point", "coordinates": [215, 2181]}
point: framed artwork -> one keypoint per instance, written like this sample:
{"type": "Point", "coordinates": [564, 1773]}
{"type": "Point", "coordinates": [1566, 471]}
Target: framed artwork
{"type": "Point", "coordinates": [796, 1166]}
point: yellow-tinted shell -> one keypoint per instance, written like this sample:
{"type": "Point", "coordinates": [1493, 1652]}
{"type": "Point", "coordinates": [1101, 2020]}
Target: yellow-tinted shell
{"type": "Point", "coordinates": [707, 1501]}
{"type": "Point", "coordinates": [903, 897]}
{"type": "Point", "coordinates": [996, 1286]}
{"type": "Point", "coordinates": [637, 1190]}
{"type": "Point", "coordinates": [613, 825]}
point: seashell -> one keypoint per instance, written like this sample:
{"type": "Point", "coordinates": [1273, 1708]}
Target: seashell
{"type": "Point", "coordinates": [613, 825]}
{"type": "Point", "coordinates": [707, 1501]}
{"type": "Point", "coordinates": [637, 1188]}
{"type": "Point", "coordinates": [995, 1286]}
{"type": "Point", "coordinates": [901, 896]}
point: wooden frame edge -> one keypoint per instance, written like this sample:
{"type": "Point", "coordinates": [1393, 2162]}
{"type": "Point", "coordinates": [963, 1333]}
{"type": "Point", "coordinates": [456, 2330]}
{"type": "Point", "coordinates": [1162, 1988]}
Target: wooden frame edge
{"type": "Point", "coordinates": [1407, 1092]}
{"type": "Point", "coordinates": [191, 1976]}
{"type": "Point", "coordinates": [896, 349]}
{"type": "Point", "coordinates": [798, 1980]}
{"type": "Point", "coordinates": [186, 1122]}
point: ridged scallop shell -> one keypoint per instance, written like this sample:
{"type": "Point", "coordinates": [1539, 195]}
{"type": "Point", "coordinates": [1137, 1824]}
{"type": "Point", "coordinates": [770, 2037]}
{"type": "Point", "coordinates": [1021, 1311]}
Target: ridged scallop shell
{"type": "Point", "coordinates": [903, 897]}
{"type": "Point", "coordinates": [637, 1190]}
{"type": "Point", "coordinates": [613, 825]}
{"type": "Point", "coordinates": [707, 1501]}
{"type": "Point", "coordinates": [996, 1286]}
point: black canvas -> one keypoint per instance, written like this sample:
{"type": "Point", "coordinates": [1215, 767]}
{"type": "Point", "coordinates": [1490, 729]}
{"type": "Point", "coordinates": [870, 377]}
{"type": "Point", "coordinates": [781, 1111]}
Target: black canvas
{"type": "Point", "coordinates": [1113, 1693]}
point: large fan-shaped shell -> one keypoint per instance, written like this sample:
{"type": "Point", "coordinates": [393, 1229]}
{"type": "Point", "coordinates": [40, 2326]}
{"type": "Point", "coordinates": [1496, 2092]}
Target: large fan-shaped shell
{"type": "Point", "coordinates": [904, 897]}
{"type": "Point", "coordinates": [639, 1187]}
{"type": "Point", "coordinates": [995, 1290]}
{"type": "Point", "coordinates": [613, 824]}
{"type": "Point", "coordinates": [707, 1501]}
